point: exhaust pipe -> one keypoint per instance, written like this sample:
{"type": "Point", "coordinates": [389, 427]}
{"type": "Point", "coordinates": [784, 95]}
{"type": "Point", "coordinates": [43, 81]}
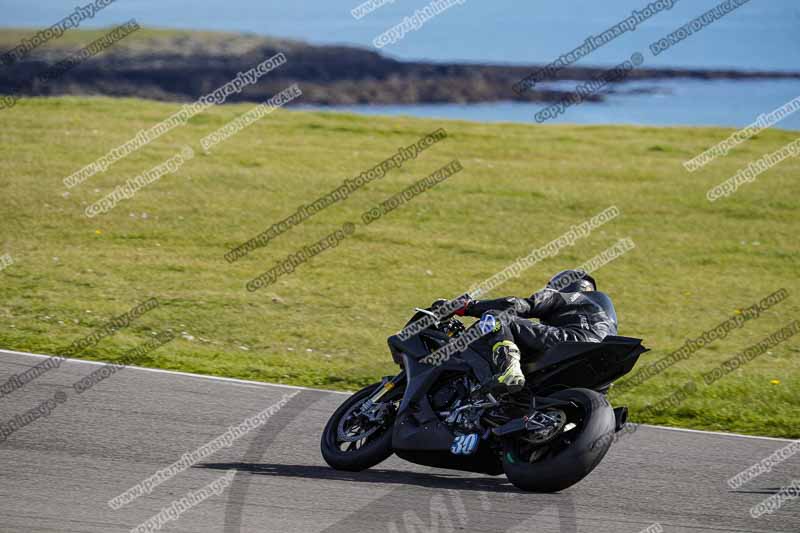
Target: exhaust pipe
{"type": "Point", "coordinates": [620, 418]}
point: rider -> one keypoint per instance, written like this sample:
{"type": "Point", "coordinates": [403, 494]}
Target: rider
{"type": "Point", "coordinates": [569, 308]}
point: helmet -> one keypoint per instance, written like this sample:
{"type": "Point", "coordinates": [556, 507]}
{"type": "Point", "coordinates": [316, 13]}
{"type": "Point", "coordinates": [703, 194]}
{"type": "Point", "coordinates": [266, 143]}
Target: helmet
{"type": "Point", "coordinates": [572, 281]}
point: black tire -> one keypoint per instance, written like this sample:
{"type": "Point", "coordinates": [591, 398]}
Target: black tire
{"type": "Point", "coordinates": [566, 466]}
{"type": "Point", "coordinates": [377, 449]}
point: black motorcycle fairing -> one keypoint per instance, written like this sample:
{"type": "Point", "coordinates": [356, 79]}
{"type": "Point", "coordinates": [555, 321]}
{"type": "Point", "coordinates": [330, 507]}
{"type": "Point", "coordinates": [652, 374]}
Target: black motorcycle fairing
{"type": "Point", "coordinates": [418, 374]}
{"type": "Point", "coordinates": [590, 365]}
{"type": "Point", "coordinates": [417, 426]}
{"type": "Point", "coordinates": [483, 461]}
{"type": "Point", "coordinates": [413, 347]}
{"type": "Point", "coordinates": [418, 346]}
{"type": "Point", "coordinates": [419, 436]}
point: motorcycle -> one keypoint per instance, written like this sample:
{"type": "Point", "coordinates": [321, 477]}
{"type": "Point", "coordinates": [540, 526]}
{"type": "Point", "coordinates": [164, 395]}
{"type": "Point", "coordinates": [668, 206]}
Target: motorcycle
{"type": "Point", "coordinates": [445, 412]}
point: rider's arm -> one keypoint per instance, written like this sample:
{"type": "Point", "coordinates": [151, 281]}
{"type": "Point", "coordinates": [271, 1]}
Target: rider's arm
{"type": "Point", "coordinates": [538, 305]}
{"type": "Point", "coordinates": [476, 308]}
{"type": "Point", "coordinates": [545, 302]}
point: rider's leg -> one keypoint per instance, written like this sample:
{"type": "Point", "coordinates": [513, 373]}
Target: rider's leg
{"type": "Point", "coordinates": [510, 339]}
{"type": "Point", "coordinates": [498, 340]}
{"type": "Point", "coordinates": [534, 338]}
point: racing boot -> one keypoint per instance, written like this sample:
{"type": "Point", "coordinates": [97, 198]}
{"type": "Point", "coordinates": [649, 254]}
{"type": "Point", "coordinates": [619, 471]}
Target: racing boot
{"type": "Point", "coordinates": [505, 356]}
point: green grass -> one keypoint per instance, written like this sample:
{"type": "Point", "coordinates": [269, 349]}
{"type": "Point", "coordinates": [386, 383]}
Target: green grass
{"type": "Point", "coordinates": [694, 265]}
{"type": "Point", "coordinates": [152, 40]}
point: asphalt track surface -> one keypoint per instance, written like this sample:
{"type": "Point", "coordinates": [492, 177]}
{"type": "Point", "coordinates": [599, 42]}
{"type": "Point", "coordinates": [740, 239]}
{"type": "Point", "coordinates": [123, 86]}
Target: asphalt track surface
{"type": "Point", "coordinates": [59, 472]}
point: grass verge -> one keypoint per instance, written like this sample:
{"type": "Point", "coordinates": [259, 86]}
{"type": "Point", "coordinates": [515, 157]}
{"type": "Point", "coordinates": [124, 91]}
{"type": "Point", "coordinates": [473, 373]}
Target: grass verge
{"type": "Point", "coordinates": [695, 263]}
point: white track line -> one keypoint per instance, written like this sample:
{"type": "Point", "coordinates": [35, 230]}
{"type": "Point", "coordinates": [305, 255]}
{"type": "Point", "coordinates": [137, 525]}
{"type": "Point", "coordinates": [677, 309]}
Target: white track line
{"type": "Point", "coordinates": [264, 384]}
{"type": "Point", "coordinates": [175, 372]}
{"type": "Point", "coordinates": [739, 435]}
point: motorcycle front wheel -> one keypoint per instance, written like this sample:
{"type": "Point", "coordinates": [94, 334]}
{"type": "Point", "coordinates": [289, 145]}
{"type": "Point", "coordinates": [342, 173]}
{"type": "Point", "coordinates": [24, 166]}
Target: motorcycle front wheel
{"type": "Point", "coordinates": [355, 440]}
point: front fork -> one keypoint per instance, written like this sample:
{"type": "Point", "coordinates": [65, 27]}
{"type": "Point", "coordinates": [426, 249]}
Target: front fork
{"type": "Point", "coordinates": [387, 385]}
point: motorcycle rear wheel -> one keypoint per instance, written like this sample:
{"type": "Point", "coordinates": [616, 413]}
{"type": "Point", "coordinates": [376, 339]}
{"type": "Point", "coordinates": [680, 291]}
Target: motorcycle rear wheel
{"type": "Point", "coordinates": [569, 458]}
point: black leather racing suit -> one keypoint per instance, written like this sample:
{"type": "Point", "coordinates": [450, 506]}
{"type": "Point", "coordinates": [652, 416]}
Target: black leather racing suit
{"type": "Point", "coordinates": [563, 316]}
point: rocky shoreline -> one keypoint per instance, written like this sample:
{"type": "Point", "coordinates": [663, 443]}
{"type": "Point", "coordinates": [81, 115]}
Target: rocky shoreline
{"type": "Point", "coordinates": [182, 66]}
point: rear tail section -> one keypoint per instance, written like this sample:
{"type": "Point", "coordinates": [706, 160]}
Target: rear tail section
{"type": "Point", "coordinates": [590, 365]}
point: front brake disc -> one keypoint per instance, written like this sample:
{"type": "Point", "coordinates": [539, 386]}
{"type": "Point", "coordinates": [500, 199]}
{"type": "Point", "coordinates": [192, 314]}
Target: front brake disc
{"type": "Point", "coordinates": [346, 434]}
